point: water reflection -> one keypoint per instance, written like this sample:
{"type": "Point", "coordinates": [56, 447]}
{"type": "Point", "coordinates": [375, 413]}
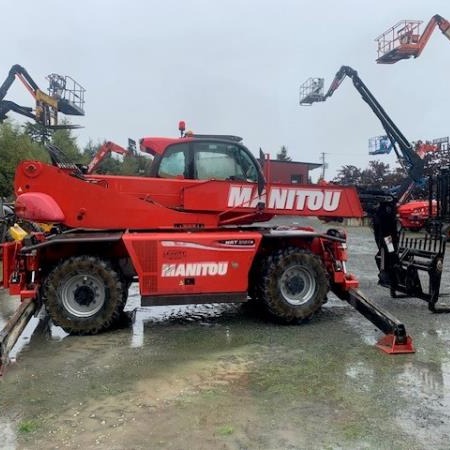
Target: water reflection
{"type": "Point", "coordinates": [8, 436]}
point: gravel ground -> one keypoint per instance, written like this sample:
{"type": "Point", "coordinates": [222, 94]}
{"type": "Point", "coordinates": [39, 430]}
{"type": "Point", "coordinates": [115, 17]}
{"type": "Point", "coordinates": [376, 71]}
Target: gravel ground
{"type": "Point", "coordinates": [212, 376]}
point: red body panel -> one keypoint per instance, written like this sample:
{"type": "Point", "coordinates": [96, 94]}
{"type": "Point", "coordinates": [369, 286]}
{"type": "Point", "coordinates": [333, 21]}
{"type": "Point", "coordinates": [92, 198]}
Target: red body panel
{"type": "Point", "coordinates": [117, 202]}
{"type": "Point", "coordinates": [8, 251]}
{"type": "Point", "coordinates": [38, 204]}
{"type": "Point", "coordinates": [157, 145]}
{"type": "Point", "coordinates": [187, 263]}
{"type": "Point", "coordinates": [412, 215]}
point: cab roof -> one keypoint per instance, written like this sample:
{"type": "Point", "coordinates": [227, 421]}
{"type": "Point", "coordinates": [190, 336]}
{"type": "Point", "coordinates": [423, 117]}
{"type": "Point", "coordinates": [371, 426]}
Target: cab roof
{"type": "Point", "coordinates": [158, 145]}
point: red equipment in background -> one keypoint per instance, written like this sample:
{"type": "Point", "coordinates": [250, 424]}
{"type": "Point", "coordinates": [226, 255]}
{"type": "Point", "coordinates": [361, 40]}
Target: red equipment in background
{"type": "Point", "coordinates": [104, 150]}
{"type": "Point", "coordinates": [414, 214]}
{"type": "Point", "coordinates": [404, 40]}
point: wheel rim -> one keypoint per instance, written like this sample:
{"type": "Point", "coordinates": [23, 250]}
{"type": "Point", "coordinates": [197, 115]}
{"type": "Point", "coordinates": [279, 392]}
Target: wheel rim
{"type": "Point", "coordinates": [297, 285]}
{"type": "Point", "coordinates": [82, 295]}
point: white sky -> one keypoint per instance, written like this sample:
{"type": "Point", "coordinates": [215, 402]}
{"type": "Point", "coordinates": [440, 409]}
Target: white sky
{"type": "Point", "coordinates": [232, 67]}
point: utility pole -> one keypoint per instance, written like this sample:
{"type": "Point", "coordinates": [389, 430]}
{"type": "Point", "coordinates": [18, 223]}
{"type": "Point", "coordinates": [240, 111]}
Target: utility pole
{"type": "Point", "coordinates": [324, 164]}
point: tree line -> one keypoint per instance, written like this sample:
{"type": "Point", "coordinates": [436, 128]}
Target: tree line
{"type": "Point", "coordinates": [378, 175]}
{"type": "Point", "coordinates": [21, 142]}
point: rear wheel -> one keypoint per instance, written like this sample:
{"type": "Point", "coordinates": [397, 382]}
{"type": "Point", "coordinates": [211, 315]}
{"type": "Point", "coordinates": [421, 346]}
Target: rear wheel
{"type": "Point", "coordinates": [84, 295]}
{"type": "Point", "coordinates": [294, 285]}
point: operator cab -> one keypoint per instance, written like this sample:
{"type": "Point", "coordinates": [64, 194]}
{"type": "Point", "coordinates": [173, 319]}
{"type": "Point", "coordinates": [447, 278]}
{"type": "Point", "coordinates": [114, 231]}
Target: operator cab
{"type": "Point", "coordinates": [202, 157]}
{"type": "Point", "coordinates": [206, 159]}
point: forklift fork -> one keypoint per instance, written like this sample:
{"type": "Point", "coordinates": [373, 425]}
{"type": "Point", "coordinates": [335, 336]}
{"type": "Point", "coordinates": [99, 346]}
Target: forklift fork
{"type": "Point", "coordinates": [13, 329]}
{"type": "Point", "coordinates": [423, 254]}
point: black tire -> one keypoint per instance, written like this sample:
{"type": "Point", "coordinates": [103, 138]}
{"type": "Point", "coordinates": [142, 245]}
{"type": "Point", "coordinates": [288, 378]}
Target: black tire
{"type": "Point", "coordinates": [84, 295]}
{"type": "Point", "coordinates": [294, 285]}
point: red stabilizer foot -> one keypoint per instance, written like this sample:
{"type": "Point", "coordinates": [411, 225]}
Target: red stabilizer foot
{"type": "Point", "coordinates": [389, 345]}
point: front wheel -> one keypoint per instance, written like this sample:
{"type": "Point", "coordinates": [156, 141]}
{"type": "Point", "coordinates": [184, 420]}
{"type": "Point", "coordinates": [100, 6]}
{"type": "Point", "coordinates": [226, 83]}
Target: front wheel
{"type": "Point", "coordinates": [84, 295]}
{"type": "Point", "coordinates": [294, 285]}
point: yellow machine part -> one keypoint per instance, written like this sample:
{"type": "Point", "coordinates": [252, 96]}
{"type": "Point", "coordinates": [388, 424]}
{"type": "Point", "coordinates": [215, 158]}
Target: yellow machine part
{"type": "Point", "coordinates": [45, 227]}
{"type": "Point", "coordinates": [17, 232]}
{"type": "Point", "coordinates": [46, 99]}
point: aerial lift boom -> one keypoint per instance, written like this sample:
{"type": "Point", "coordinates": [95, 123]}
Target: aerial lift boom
{"type": "Point", "coordinates": [403, 40]}
{"type": "Point", "coordinates": [399, 258]}
{"type": "Point", "coordinates": [104, 150]}
{"type": "Point", "coordinates": [65, 95]}
{"type": "Point", "coordinates": [405, 152]}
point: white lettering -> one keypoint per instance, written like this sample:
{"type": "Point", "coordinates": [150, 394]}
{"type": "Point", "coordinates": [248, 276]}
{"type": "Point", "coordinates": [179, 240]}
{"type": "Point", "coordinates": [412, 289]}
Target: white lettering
{"type": "Point", "coordinates": [301, 198]}
{"type": "Point", "coordinates": [278, 198]}
{"type": "Point", "coordinates": [290, 199]}
{"type": "Point", "coordinates": [315, 200]}
{"type": "Point", "coordinates": [180, 271]}
{"type": "Point", "coordinates": [168, 270]}
{"type": "Point", "coordinates": [239, 196]}
{"type": "Point", "coordinates": [331, 201]}
{"type": "Point", "coordinates": [285, 198]}
{"type": "Point", "coordinates": [204, 269]}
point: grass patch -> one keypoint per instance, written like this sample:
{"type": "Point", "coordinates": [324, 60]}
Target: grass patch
{"type": "Point", "coordinates": [27, 426]}
{"type": "Point", "coordinates": [225, 430]}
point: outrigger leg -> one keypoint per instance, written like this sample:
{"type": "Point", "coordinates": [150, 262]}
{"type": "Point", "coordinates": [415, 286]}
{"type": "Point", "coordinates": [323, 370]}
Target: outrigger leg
{"type": "Point", "coordinates": [13, 329]}
{"type": "Point", "coordinates": [395, 340]}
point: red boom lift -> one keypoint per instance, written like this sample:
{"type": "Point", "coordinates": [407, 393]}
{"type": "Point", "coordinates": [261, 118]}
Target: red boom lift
{"type": "Point", "coordinates": [189, 233]}
{"type": "Point", "coordinates": [104, 150]}
{"type": "Point", "coordinates": [404, 40]}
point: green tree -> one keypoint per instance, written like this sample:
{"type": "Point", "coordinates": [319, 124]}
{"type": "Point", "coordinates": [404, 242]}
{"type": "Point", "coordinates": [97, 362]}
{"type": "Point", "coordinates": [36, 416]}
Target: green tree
{"type": "Point", "coordinates": [15, 146]}
{"type": "Point", "coordinates": [376, 174]}
{"type": "Point", "coordinates": [348, 175]}
{"type": "Point", "coordinates": [90, 149]}
{"type": "Point", "coordinates": [37, 132]}
{"type": "Point", "coordinates": [282, 155]}
{"type": "Point", "coordinates": [66, 142]}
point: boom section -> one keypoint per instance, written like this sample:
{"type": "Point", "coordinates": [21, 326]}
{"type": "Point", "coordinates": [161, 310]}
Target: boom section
{"type": "Point", "coordinates": [412, 163]}
{"type": "Point", "coordinates": [57, 194]}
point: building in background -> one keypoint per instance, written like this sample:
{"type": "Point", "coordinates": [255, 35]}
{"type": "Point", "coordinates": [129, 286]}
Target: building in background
{"type": "Point", "coordinates": [291, 172]}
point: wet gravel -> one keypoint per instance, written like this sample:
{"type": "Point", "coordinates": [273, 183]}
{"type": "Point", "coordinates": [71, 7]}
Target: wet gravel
{"type": "Point", "coordinates": [214, 376]}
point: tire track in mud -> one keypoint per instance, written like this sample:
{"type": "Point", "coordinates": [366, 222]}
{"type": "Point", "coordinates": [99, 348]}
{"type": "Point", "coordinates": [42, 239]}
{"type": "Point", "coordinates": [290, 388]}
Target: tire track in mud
{"type": "Point", "coordinates": [115, 418]}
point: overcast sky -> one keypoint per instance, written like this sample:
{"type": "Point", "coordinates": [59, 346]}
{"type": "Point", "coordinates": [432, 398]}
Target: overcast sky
{"type": "Point", "coordinates": [233, 67]}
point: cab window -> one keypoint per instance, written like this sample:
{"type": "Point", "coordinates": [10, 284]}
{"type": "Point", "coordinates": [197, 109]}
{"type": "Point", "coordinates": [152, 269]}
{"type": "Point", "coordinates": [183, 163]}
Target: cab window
{"type": "Point", "coordinates": [222, 161]}
{"type": "Point", "coordinates": [173, 164]}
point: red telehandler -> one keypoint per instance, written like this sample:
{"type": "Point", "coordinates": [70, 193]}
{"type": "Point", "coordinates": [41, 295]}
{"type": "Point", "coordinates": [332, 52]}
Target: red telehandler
{"type": "Point", "coordinates": [400, 258]}
{"type": "Point", "coordinates": [188, 233]}
{"type": "Point", "coordinates": [404, 40]}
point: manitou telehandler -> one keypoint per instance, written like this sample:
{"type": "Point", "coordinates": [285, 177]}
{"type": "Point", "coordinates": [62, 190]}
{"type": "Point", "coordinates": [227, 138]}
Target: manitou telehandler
{"type": "Point", "coordinates": [188, 233]}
